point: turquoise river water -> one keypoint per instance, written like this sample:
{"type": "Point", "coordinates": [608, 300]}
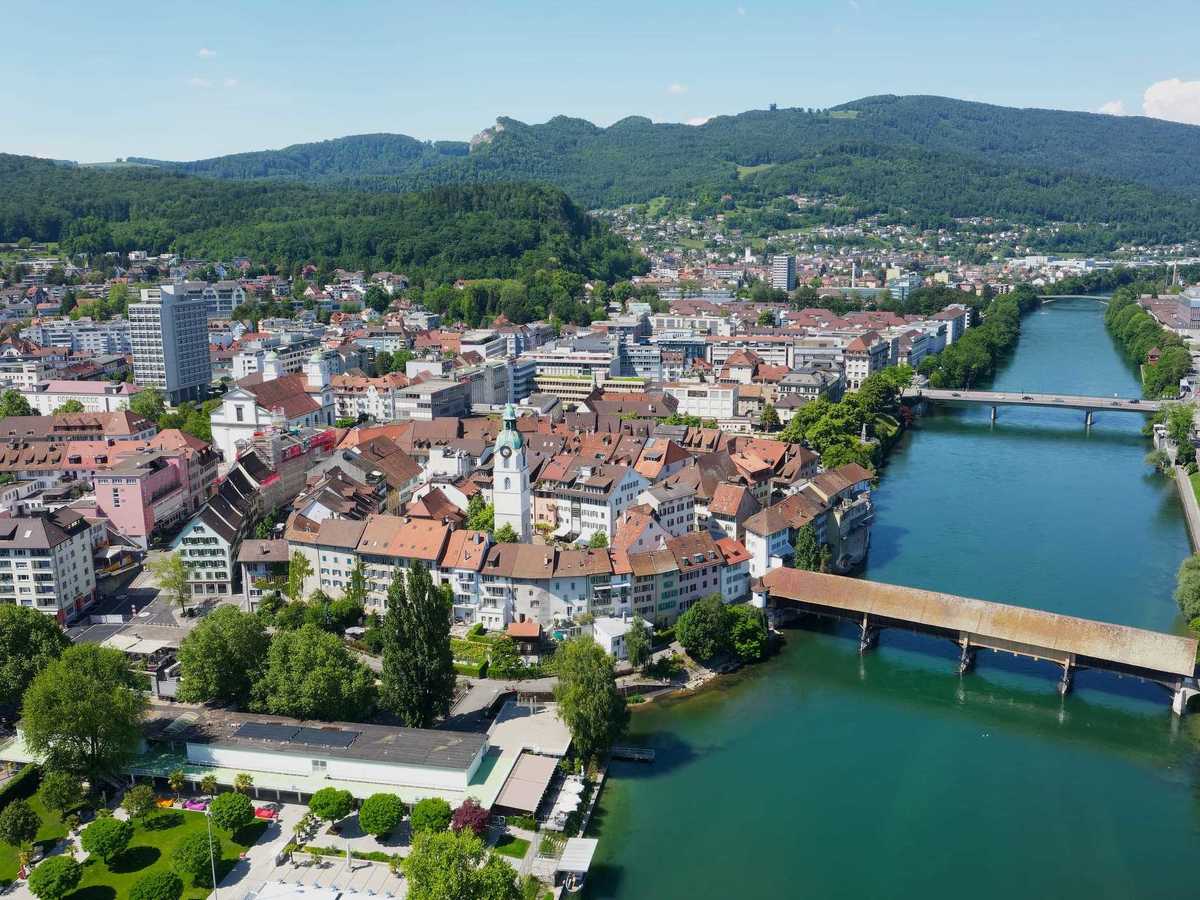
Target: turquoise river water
{"type": "Point", "coordinates": [825, 774]}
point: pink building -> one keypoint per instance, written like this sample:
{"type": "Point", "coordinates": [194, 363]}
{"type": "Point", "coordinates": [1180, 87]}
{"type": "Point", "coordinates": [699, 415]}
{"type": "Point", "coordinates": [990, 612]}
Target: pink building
{"type": "Point", "coordinates": [146, 490]}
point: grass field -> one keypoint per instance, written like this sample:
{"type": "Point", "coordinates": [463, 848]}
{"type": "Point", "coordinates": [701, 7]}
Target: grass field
{"type": "Point", "coordinates": [747, 171]}
{"type": "Point", "coordinates": [154, 841]}
{"type": "Point", "coordinates": [52, 829]}
{"type": "Point", "coordinates": [513, 847]}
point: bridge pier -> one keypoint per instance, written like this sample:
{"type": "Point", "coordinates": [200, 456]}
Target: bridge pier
{"type": "Point", "coordinates": [966, 659]}
{"type": "Point", "coordinates": [1064, 682]}
{"type": "Point", "coordinates": [1087, 418]}
{"type": "Point", "coordinates": [993, 414]}
{"type": "Point", "coordinates": [1179, 700]}
{"type": "Point", "coordinates": [868, 635]}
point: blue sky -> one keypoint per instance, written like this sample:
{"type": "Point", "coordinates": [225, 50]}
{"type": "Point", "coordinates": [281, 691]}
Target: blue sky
{"type": "Point", "coordinates": [176, 80]}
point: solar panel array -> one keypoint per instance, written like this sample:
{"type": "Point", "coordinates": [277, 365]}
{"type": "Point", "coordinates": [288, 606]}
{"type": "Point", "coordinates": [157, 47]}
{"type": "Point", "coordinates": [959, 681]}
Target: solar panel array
{"type": "Point", "coordinates": [292, 734]}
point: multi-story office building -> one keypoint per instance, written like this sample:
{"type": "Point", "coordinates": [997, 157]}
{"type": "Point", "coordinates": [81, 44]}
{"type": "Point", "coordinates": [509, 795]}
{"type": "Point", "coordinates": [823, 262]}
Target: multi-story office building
{"type": "Point", "coordinates": [168, 332]}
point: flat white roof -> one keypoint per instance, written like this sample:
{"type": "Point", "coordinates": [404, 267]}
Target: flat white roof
{"type": "Point", "coordinates": [518, 727]}
{"type": "Point", "coordinates": [577, 855]}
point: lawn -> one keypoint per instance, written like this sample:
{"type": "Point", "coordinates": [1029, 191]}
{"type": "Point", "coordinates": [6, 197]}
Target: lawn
{"type": "Point", "coordinates": [1195, 480]}
{"type": "Point", "coordinates": [52, 829]}
{"type": "Point", "coordinates": [747, 171]}
{"type": "Point", "coordinates": [512, 846]}
{"type": "Point", "coordinates": [154, 841]}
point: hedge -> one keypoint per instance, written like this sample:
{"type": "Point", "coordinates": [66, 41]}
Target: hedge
{"type": "Point", "coordinates": [371, 855]}
{"type": "Point", "coordinates": [471, 669]}
{"type": "Point", "coordinates": [21, 786]}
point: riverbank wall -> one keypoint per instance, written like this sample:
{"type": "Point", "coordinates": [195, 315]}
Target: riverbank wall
{"type": "Point", "coordinates": [1191, 507]}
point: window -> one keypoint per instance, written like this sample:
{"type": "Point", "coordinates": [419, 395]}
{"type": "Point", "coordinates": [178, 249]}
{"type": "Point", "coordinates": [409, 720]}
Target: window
{"type": "Point", "coordinates": [507, 483]}
{"type": "Point", "coordinates": [239, 413]}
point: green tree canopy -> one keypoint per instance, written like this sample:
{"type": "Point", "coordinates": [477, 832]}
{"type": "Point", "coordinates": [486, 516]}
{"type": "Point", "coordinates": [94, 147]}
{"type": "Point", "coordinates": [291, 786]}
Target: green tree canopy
{"type": "Point", "coordinates": [588, 701]}
{"type": "Point", "coordinates": [703, 629]}
{"type": "Point", "coordinates": [380, 814]}
{"type": "Point", "coordinates": [29, 640]}
{"type": "Point", "coordinates": [161, 885]}
{"type": "Point", "coordinates": [61, 791]}
{"type": "Point", "coordinates": [221, 657]}
{"type": "Point", "coordinates": [331, 804]}
{"type": "Point", "coordinates": [506, 534]}
{"type": "Point", "coordinates": [430, 814]}
{"type": "Point", "coordinates": [107, 838]}
{"type": "Point", "coordinates": [148, 403]}
{"type": "Point", "coordinates": [55, 878]}
{"type": "Point", "coordinates": [83, 712]}
{"type": "Point", "coordinates": [447, 865]}
{"type": "Point", "coordinates": [748, 632]}
{"type": "Point", "coordinates": [418, 667]}
{"type": "Point", "coordinates": [231, 811]}
{"type": "Point", "coordinates": [310, 674]}
{"type": "Point", "coordinates": [70, 406]}
{"type": "Point", "coordinates": [807, 549]}
{"type": "Point", "coordinates": [19, 823]}
{"type": "Point", "coordinates": [171, 574]}
{"type": "Point", "coordinates": [194, 855]}
{"type": "Point", "coordinates": [13, 403]}
{"type": "Point", "coordinates": [299, 571]}
{"type": "Point", "coordinates": [637, 643]}
{"type": "Point", "coordinates": [138, 801]}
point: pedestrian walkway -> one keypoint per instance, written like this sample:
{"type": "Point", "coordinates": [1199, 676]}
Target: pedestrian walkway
{"type": "Point", "coordinates": [1191, 507]}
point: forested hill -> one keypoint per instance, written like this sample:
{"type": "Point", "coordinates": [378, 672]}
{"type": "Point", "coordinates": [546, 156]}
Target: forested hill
{"type": "Point", "coordinates": [469, 231]}
{"type": "Point", "coordinates": [635, 159]}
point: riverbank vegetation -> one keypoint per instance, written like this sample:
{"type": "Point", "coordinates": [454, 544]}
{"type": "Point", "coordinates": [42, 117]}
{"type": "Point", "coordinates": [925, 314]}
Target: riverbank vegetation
{"type": "Point", "coordinates": [834, 429]}
{"type": "Point", "coordinates": [1162, 355]}
{"type": "Point", "coordinates": [710, 629]}
{"type": "Point", "coordinates": [1187, 591]}
{"type": "Point", "coordinates": [974, 356]}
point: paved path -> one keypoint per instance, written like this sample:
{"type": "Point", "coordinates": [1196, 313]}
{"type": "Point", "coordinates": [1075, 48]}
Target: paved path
{"type": "Point", "coordinates": [258, 863]}
{"type": "Point", "coordinates": [1190, 507]}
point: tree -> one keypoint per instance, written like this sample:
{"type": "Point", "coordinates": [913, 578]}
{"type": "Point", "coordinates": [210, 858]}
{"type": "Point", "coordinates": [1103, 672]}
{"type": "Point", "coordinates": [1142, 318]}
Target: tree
{"type": "Point", "coordinates": [19, 823]}
{"type": "Point", "coordinates": [71, 406]}
{"type": "Point", "coordinates": [54, 878]}
{"type": "Point", "coordinates": [310, 674]}
{"type": "Point", "coordinates": [107, 838]}
{"type": "Point", "coordinates": [61, 791]}
{"type": "Point", "coordinates": [331, 804]}
{"type": "Point", "coordinates": [748, 632]}
{"type": "Point", "coordinates": [29, 640]}
{"type": "Point", "coordinates": [430, 814]}
{"type": "Point", "coordinates": [505, 534]}
{"type": "Point", "coordinates": [176, 781]}
{"type": "Point", "coordinates": [380, 814]}
{"type": "Point", "coordinates": [171, 573]}
{"type": "Point", "coordinates": [766, 317]}
{"type": "Point", "coordinates": [480, 516]}
{"type": "Point", "coordinates": [299, 571]}
{"type": "Point", "coordinates": [83, 712]}
{"type": "Point", "coordinates": [208, 784]}
{"type": "Point", "coordinates": [138, 801]}
{"type": "Point", "coordinates": [356, 586]}
{"type": "Point", "coordinates": [149, 404]}
{"type": "Point", "coordinates": [769, 420]}
{"type": "Point", "coordinates": [1187, 588]}
{"type": "Point", "coordinates": [232, 811]}
{"type": "Point", "coordinates": [221, 657]}
{"type": "Point", "coordinates": [637, 643]}
{"type": "Point", "coordinates": [470, 815]}
{"type": "Point", "coordinates": [447, 866]}
{"type": "Point", "coordinates": [807, 549]}
{"type": "Point", "coordinates": [588, 700]}
{"type": "Point", "coordinates": [243, 783]}
{"type": "Point", "coordinates": [13, 403]}
{"type": "Point", "coordinates": [161, 885]}
{"type": "Point", "coordinates": [418, 667]}
{"type": "Point", "coordinates": [194, 858]}
{"type": "Point", "coordinates": [598, 540]}
{"type": "Point", "coordinates": [504, 661]}
{"type": "Point", "coordinates": [703, 629]}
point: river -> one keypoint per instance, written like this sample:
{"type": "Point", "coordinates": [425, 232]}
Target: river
{"type": "Point", "coordinates": [825, 774]}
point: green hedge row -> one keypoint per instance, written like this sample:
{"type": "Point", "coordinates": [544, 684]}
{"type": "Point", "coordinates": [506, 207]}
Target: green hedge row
{"type": "Point", "coordinates": [475, 670]}
{"type": "Point", "coordinates": [22, 786]}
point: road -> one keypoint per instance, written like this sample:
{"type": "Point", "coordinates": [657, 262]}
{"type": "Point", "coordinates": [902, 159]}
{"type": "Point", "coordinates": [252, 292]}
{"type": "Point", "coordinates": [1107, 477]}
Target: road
{"type": "Point", "coordinates": [1055, 401]}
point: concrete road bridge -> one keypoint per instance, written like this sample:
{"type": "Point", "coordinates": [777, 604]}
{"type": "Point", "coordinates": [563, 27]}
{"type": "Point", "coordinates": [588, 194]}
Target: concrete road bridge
{"type": "Point", "coordinates": [1069, 642]}
{"type": "Point", "coordinates": [1051, 298]}
{"type": "Point", "coordinates": [1088, 405]}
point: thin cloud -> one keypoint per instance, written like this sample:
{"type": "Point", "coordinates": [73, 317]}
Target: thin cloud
{"type": "Point", "coordinates": [230, 82]}
{"type": "Point", "coordinates": [199, 82]}
{"type": "Point", "coordinates": [677, 88]}
{"type": "Point", "coordinates": [1174, 100]}
{"type": "Point", "coordinates": [698, 120]}
{"type": "Point", "coordinates": [854, 6]}
{"type": "Point", "coordinates": [1113, 108]}
{"type": "Point", "coordinates": [205, 53]}
{"type": "Point", "coordinates": [741, 10]}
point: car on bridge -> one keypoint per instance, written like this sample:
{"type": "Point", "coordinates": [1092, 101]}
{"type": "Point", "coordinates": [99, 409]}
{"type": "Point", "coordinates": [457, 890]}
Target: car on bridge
{"type": "Point", "coordinates": [1026, 397]}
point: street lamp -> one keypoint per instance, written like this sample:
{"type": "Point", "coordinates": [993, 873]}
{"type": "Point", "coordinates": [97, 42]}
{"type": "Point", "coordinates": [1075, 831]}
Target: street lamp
{"type": "Point", "coordinates": [212, 861]}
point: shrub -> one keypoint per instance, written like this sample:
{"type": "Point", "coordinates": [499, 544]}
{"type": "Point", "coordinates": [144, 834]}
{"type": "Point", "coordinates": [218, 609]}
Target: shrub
{"type": "Point", "coordinates": [748, 632]}
{"type": "Point", "coordinates": [21, 786]}
{"type": "Point", "coordinates": [164, 885]}
{"type": "Point", "coordinates": [470, 815]}
{"type": "Point", "coordinates": [193, 858]}
{"type": "Point", "coordinates": [107, 838]}
{"type": "Point", "coordinates": [431, 814]}
{"type": "Point", "coordinates": [54, 878]}
{"type": "Point", "coordinates": [703, 629]}
{"type": "Point", "coordinates": [476, 629]}
{"type": "Point", "coordinates": [331, 804]}
{"type": "Point", "coordinates": [529, 823]}
{"type": "Point", "coordinates": [19, 823]}
{"type": "Point", "coordinates": [380, 814]}
{"type": "Point", "coordinates": [232, 811]}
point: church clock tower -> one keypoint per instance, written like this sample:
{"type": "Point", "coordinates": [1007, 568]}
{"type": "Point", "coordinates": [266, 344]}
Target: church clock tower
{"type": "Point", "coordinates": [510, 479]}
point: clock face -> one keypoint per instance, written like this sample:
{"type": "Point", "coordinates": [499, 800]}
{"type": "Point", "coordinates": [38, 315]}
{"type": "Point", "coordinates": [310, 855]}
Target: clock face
{"type": "Point", "coordinates": [506, 452]}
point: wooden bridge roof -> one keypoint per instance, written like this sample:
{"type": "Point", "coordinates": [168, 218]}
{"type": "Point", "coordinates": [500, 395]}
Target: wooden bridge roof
{"type": "Point", "coordinates": [1121, 644]}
